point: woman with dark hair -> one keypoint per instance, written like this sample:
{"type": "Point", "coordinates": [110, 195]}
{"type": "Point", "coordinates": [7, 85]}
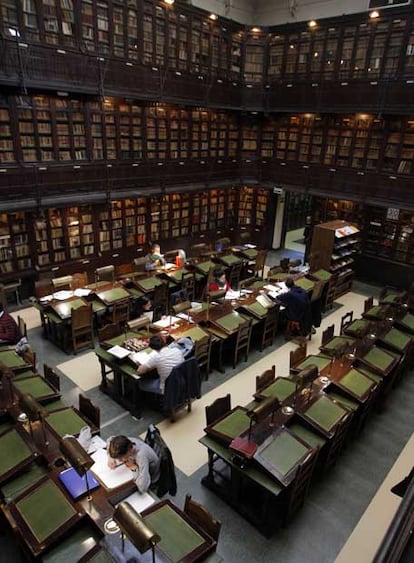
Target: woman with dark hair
{"type": "Point", "coordinates": [219, 281]}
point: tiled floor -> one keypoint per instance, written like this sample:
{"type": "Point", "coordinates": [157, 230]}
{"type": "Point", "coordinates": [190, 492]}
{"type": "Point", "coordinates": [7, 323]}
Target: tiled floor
{"type": "Point", "coordinates": [334, 506]}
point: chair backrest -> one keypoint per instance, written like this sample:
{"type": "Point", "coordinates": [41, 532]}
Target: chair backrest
{"type": "Point", "coordinates": [51, 376]}
{"type": "Point", "coordinates": [22, 325]}
{"type": "Point", "coordinates": [139, 264]}
{"type": "Point", "coordinates": [295, 263]}
{"type": "Point", "coordinates": [29, 356]}
{"type": "Point", "coordinates": [234, 276]}
{"type": "Point", "coordinates": [123, 269]}
{"type": "Point", "coordinates": [80, 279]}
{"type": "Point", "coordinates": [271, 323]}
{"type": "Point", "coordinates": [247, 282]}
{"type": "Point", "coordinates": [265, 379]}
{"type": "Point", "coordinates": [217, 409]}
{"type": "Point", "coordinates": [284, 264]}
{"type": "Point", "coordinates": [317, 290]}
{"type": "Point", "coordinates": [330, 292]}
{"type": "Point", "coordinates": [273, 272]}
{"type": "Point", "coordinates": [105, 273]}
{"type": "Point", "coordinates": [88, 409]}
{"type": "Point", "coordinates": [160, 298]}
{"type": "Point", "coordinates": [120, 312]}
{"type": "Point", "coordinates": [297, 356]}
{"type": "Point", "coordinates": [243, 340]}
{"type": "Point", "coordinates": [327, 334]}
{"type": "Point", "coordinates": [197, 249]}
{"type": "Point", "coordinates": [260, 263]}
{"type": "Point", "coordinates": [43, 288]}
{"type": "Point", "coordinates": [202, 352]}
{"type": "Point", "coordinates": [202, 517]}
{"type": "Point", "coordinates": [109, 331]}
{"type": "Point", "coordinates": [63, 282]}
{"type": "Point", "coordinates": [368, 304]}
{"type": "Point", "coordinates": [300, 486]}
{"type": "Point", "coordinates": [346, 320]}
{"type": "Point", "coordinates": [81, 318]}
{"type": "Point", "coordinates": [188, 284]}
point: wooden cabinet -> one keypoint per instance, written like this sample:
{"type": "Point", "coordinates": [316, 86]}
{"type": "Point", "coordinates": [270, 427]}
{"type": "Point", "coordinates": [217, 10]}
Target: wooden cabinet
{"type": "Point", "coordinates": [334, 246]}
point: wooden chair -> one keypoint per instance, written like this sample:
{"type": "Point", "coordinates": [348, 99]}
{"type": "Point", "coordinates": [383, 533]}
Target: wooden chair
{"type": "Point", "coordinates": [43, 288]}
{"type": "Point", "coordinates": [234, 275]}
{"type": "Point", "coordinates": [11, 286]}
{"type": "Point", "coordinates": [123, 270]}
{"type": "Point", "coordinates": [202, 352]}
{"type": "Point", "coordinates": [265, 379]}
{"type": "Point", "coordinates": [270, 325]}
{"type": "Point", "coordinates": [111, 330]}
{"type": "Point", "coordinates": [22, 326]}
{"type": "Point", "coordinates": [138, 264]}
{"type": "Point", "coordinates": [297, 356]}
{"type": "Point", "coordinates": [197, 249]}
{"type": "Point", "coordinates": [51, 376]}
{"type": "Point", "coordinates": [188, 283]}
{"type": "Point", "coordinates": [300, 486]}
{"type": "Point", "coordinates": [160, 300]}
{"type": "Point", "coordinates": [79, 280]}
{"type": "Point", "coordinates": [346, 320]}
{"type": "Point", "coordinates": [105, 273]}
{"type": "Point", "coordinates": [295, 263]}
{"type": "Point", "coordinates": [217, 409]}
{"type": "Point", "coordinates": [120, 313]}
{"type": "Point", "coordinates": [273, 273]}
{"type": "Point", "coordinates": [82, 334]}
{"type": "Point", "coordinates": [260, 263]}
{"type": "Point", "coordinates": [29, 356]}
{"type": "Point", "coordinates": [202, 517]}
{"type": "Point", "coordinates": [284, 264]}
{"type": "Point", "coordinates": [327, 334]}
{"type": "Point", "coordinates": [330, 292]}
{"type": "Point", "coordinates": [337, 443]}
{"type": "Point", "coordinates": [247, 282]}
{"type": "Point", "coordinates": [242, 341]}
{"type": "Point", "coordinates": [368, 304]}
{"type": "Point", "coordinates": [62, 283]}
{"type": "Point", "coordinates": [88, 409]}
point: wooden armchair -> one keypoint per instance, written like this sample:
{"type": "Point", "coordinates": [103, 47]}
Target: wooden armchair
{"type": "Point", "coordinates": [188, 282]}
{"type": "Point", "coordinates": [202, 517]}
{"type": "Point", "coordinates": [43, 288]}
{"type": "Point", "coordinates": [79, 280]}
{"type": "Point", "coordinates": [81, 326]}
{"type": "Point", "coordinates": [234, 275]}
{"type": "Point", "coordinates": [22, 326]}
{"type": "Point", "coordinates": [105, 273]}
{"type": "Point", "coordinates": [260, 263]}
{"type": "Point", "coordinates": [265, 379]}
{"type": "Point", "coordinates": [108, 331]}
{"type": "Point", "coordinates": [368, 304]}
{"type": "Point", "coordinates": [243, 341]}
{"type": "Point", "coordinates": [346, 320]}
{"type": "Point", "coordinates": [300, 486]}
{"type": "Point", "coordinates": [51, 376]}
{"type": "Point", "coordinates": [88, 409]}
{"type": "Point", "coordinates": [61, 283]}
{"type": "Point", "coordinates": [202, 352]}
{"type": "Point", "coordinates": [270, 325]}
{"type": "Point", "coordinates": [297, 356]}
{"type": "Point", "coordinates": [120, 313]}
{"type": "Point", "coordinates": [217, 409]}
{"type": "Point", "coordinates": [327, 334]}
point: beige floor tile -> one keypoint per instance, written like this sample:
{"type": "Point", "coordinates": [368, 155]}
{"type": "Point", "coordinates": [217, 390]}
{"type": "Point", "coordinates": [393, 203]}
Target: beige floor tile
{"type": "Point", "coordinates": [83, 370]}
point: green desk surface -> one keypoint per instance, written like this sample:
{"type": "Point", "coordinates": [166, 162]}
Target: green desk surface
{"type": "Point", "coordinates": [338, 342]}
{"type": "Point", "coordinates": [397, 338]}
{"type": "Point", "coordinates": [135, 292]}
{"type": "Point", "coordinates": [378, 358]}
{"type": "Point", "coordinates": [259, 284]}
{"type": "Point", "coordinates": [229, 259]}
{"type": "Point", "coordinates": [76, 546]}
{"type": "Point", "coordinates": [205, 267]}
{"type": "Point", "coordinates": [66, 421]}
{"type": "Point", "coordinates": [344, 401]}
{"type": "Point", "coordinates": [357, 326]}
{"type": "Point", "coordinates": [256, 309]}
{"type": "Point", "coordinates": [97, 305]}
{"type": "Point", "coordinates": [96, 285]}
{"type": "Point", "coordinates": [175, 275]}
{"type": "Point", "coordinates": [148, 284]}
{"type": "Point", "coordinates": [281, 452]}
{"type": "Point", "coordinates": [281, 388]}
{"type": "Point", "coordinates": [305, 284]}
{"type": "Point", "coordinates": [53, 317]}
{"type": "Point", "coordinates": [22, 374]}
{"type": "Point", "coordinates": [64, 308]}
{"type": "Point", "coordinates": [307, 435]}
{"type": "Point", "coordinates": [113, 295]}
{"type": "Point", "coordinates": [45, 510]}
{"type": "Point", "coordinates": [376, 312]}
{"type": "Point", "coordinates": [322, 275]}
{"type": "Point", "coordinates": [249, 253]}
{"type": "Point", "coordinates": [6, 425]}
{"type": "Point", "coordinates": [231, 322]}
{"type": "Point", "coordinates": [36, 386]}
{"type": "Point", "coordinates": [120, 339]}
{"type": "Point", "coordinates": [55, 405]}
{"type": "Point", "coordinates": [281, 276]}
{"type": "Point", "coordinates": [256, 474]}
{"type": "Point", "coordinates": [178, 537]}
{"type": "Point", "coordinates": [390, 298]}
{"type": "Point", "coordinates": [408, 321]}
{"type": "Point", "coordinates": [370, 374]}
{"type": "Point", "coordinates": [195, 332]}
{"type": "Point", "coordinates": [10, 359]}
{"type": "Point", "coordinates": [23, 482]}
{"type": "Point", "coordinates": [233, 424]}
{"type": "Point", "coordinates": [13, 451]}
{"type": "Point", "coordinates": [320, 361]}
{"type": "Point", "coordinates": [325, 413]}
{"type": "Point", "coordinates": [357, 383]}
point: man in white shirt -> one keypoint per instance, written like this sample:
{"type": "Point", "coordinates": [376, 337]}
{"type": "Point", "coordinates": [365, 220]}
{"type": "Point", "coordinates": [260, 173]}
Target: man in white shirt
{"type": "Point", "coordinates": [164, 360]}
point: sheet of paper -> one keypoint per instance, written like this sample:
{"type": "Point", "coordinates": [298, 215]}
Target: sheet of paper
{"type": "Point", "coordinates": [119, 352]}
{"type": "Point", "coordinates": [168, 321]}
{"type": "Point", "coordinates": [169, 266]}
{"type": "Point", "coordinates": [283, 286]}
{"type": "Point", "coordinates": [110, 478]}
{"type": "Point", "coordinates": [231, 294]}
{"type": "Point", "coordinates": [185, 317]}
{"type": "Point", "coordinates": [264, 300]}
{"type": "Point", "coordinates": [142, 357]}
{"type": "Point", "coordinates": [63, 294]}
{"type": "Point", "coordinates": [271, 287]}
{"type": "Point", "coordinates": [140, 501]}
{"type": "Point", "coordinates": [81, 292]}
{"type": "Point", "coordinates": [250, 245]}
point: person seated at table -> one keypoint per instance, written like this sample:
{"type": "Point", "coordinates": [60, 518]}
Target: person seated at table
{"type": "Point", "coordinates": [164, 360]}
{"type": "Point", "coordinates": [297, 304]}
{"type": "Point", "coordinates": [219, 281]}
{"type": "Point", "coordinates": [154, 259]}
{"type": "Point", "coordinates": [145, 308]}
{"type": "Point", "coordinates": [138, 456]}
{"type": "Point", "coordinates": [9, 329]}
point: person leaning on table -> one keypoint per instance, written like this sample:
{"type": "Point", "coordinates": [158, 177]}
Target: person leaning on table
{"type": "Point", "coordinates": [138, 456]}
{"type": "Point", "coordinates": [164, 360]}
{"type": "Point", "coordinates": [154, 259]}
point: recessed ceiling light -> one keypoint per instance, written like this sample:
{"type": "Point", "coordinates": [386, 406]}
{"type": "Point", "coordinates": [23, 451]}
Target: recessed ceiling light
{"type": "Point", "coordinates": [312, 23]}
{"type": "Point", "coordinates": [213, 17]}
{"type": "Point", "coordinates": [374, 14]}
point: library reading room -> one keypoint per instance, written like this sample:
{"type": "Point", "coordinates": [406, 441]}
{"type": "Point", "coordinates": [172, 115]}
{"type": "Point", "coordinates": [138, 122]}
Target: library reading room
{"type": "Point", "coordinates": [207, 281]}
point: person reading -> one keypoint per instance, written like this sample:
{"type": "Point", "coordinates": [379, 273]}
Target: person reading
{"type": "Point", "coordinates": [9, 329]}
{"type": "Point", "coordinates": [164, 360]}
{"type": "Point", "coordinates": [138, 456]}
{"type": "Point", "coordinates": [154, 259]}
{"type": "Point", "coordinates": [297, 304]}
{"type": "Point", "coordinates": [219, 281]}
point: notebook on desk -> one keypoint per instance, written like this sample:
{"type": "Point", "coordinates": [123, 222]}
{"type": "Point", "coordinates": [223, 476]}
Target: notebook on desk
{"type": "Point", "coordinates": [75, 484]}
